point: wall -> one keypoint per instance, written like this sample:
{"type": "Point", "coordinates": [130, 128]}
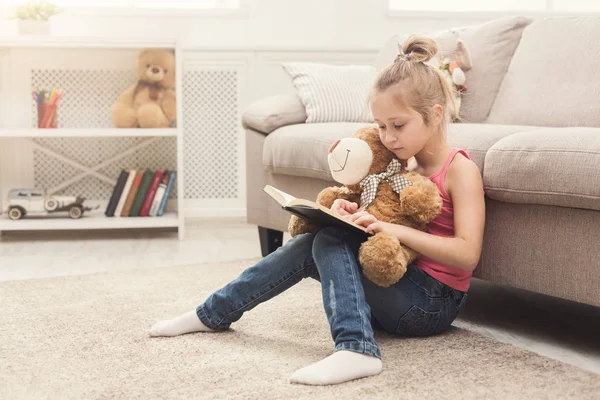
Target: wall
{"type": "Point", "coordinates": [279, 24]}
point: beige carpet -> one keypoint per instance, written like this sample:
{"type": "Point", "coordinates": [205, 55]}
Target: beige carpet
{"type": "Point", "coordinates": [85, 337]}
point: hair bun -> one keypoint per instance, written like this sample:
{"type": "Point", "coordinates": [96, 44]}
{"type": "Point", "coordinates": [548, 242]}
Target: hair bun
{"type": "Point", "coordinates": [419, 48]}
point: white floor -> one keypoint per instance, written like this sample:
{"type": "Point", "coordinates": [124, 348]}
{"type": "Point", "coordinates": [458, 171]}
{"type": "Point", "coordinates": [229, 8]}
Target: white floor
{"type": "Point", "coordinates": [559, 329]}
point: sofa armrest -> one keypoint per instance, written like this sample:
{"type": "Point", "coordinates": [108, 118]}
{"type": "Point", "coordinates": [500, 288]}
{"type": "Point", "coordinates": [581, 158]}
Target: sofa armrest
{"type": "Point", "coordinates": [273, 112]}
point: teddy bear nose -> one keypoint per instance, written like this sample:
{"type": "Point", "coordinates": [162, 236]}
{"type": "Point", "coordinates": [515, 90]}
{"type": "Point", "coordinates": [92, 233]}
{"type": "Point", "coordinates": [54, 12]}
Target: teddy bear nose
{"type": "Point", "coordinates": [155, 70]}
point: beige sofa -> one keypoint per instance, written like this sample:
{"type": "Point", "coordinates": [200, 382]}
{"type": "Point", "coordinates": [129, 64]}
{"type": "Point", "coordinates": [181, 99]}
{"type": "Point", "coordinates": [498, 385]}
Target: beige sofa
{"type": "Point", "coordinates": [533, 112]}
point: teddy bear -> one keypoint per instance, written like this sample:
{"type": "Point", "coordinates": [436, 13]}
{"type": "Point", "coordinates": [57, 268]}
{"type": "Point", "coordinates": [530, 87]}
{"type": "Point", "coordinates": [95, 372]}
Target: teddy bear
{"type": "Point", "coordinates": [453, 59]}
{"type": "Point", "coordinates": [382, 186]}
{"type": "Point", "coordinates": [151, 101]}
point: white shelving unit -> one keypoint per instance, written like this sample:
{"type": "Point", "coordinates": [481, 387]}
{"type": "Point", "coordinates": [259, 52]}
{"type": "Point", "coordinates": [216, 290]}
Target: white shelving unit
{"type": "Point", "coordinates": [94, 219]}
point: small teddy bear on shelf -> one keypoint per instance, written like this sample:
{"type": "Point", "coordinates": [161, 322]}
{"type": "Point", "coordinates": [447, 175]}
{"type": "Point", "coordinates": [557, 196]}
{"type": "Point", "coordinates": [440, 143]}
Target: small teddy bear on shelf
{"type": "Point", "coordinates": [381, 185]}
{"type": "Point", "coordinates": [151, 102]}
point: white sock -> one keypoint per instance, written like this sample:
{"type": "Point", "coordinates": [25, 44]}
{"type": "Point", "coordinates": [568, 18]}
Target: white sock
{"type": "Point", "coordinates": [341, 366]}
{"type": "Point", "coordinates": [185, 323]}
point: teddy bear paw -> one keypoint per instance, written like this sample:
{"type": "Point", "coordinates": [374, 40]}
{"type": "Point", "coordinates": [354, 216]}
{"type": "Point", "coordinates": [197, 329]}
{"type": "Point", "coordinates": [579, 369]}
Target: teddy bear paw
{"type": "Point", "coordinates": [298, 226]}
{"type": "Point", "coordinates": [383, 259]}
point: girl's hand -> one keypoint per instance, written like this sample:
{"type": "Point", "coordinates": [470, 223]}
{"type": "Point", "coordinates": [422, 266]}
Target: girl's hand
{"type": "Point", "coordinates": [369, 222]}
{"type": "Point", "coordinates": [344, 207]}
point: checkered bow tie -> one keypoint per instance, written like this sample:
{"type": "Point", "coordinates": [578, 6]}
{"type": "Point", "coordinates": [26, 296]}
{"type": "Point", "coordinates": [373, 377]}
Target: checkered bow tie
{"type": "Point", "coordinates": [370, 184]}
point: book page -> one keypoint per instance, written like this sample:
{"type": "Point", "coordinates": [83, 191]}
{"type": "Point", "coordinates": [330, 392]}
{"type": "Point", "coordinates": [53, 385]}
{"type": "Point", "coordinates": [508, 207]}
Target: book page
{"type": "Point", "coordinates": [282, 197]}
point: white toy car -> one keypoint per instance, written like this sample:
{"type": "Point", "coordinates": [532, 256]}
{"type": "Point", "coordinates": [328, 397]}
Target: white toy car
{"type": "Point", "coordinates": [36, 202]}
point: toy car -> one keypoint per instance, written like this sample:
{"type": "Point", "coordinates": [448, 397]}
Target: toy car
{"type": "Point", "coordinates": [36, 202]}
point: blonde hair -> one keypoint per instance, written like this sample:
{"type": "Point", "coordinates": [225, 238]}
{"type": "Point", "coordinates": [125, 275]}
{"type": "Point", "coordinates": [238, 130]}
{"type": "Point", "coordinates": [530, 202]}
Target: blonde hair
{"type": "Point", "coordinates": [420, 85]}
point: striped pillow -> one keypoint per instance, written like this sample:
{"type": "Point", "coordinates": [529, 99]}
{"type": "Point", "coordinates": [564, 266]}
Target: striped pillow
{"type": "Point", "coordinates": [333, 93]}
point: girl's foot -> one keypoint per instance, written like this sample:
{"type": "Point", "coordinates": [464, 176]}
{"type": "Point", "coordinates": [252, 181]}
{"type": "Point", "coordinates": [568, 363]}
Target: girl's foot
{"type": "Point", "coordinates": [186, 323]}
{"type": "Point", "coordinates": [341, 366]}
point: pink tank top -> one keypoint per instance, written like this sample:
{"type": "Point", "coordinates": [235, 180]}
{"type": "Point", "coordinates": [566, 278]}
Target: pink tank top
{"type": "Point", "coordinates": [443, 225]}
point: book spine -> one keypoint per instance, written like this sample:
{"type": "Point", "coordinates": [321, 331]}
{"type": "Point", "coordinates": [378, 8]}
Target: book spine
{"type": "Point", "coordinates": [125, 193]}
{"type": "Point", "coordinates": [169, 189]}
{"type": "Point", "coordinates": [151, 193]}
{"type": "Point", "coordinates": [141, 194]}
{"type": "Point", "coordinates": [114, 198]}
{"type": "Point", "coordinates": [132, 192]}
{"type": "Point", "coordinates": [160, 192]}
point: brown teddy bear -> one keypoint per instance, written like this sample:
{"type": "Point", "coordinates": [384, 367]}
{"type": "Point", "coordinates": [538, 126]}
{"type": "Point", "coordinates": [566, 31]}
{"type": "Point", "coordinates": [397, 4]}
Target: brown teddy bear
{"type": "Point", "coordinates": [381, 185]}
{"type": "Point", "coordinates": [151, 102]}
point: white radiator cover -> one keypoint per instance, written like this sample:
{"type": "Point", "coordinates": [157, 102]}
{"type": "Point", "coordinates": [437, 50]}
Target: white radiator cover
{"type": "Point", "coordinates": [211, 133]}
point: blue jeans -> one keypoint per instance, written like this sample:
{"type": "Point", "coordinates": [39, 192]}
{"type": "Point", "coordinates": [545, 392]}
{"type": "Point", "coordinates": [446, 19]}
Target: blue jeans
{"type": "Point", "coordinates": [417, 305]}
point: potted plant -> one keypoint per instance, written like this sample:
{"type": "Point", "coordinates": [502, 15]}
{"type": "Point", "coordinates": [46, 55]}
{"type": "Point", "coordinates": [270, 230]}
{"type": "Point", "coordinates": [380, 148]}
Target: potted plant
{"type": "Point", "coordinates": [32, 17]}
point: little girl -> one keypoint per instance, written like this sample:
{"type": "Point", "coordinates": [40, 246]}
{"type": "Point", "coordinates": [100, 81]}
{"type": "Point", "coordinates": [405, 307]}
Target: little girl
{"type": "Point", "coordinates": [412, 103]}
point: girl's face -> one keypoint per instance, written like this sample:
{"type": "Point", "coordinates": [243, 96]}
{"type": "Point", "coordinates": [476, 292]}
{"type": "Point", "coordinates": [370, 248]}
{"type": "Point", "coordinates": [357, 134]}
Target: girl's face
{"type": "Point", "coordinates": [401, 129]}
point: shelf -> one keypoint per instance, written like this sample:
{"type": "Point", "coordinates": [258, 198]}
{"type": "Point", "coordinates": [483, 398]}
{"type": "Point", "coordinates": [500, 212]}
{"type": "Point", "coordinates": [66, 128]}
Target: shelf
{"type": "Point", "coordinates": [90, 220]}
{"type": "Point", "coordinates": [48, 41]}
{"type": "Point", "coordinates": [85, 132]}
{"type": "Point", "coordinates": [18, 150]}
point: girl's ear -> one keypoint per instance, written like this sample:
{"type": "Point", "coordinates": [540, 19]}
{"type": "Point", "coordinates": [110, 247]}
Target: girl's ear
{"type": "Point", "coordinates": [438, 114]}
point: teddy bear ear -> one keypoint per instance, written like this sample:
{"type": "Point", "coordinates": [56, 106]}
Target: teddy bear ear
{"type": "Point", "coordinates": [143, 53]}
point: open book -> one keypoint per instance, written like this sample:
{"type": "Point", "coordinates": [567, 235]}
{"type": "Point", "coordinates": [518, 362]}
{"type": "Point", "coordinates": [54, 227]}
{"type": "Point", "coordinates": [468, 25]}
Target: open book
{"type": "Point", "coordinates": [312, 211]}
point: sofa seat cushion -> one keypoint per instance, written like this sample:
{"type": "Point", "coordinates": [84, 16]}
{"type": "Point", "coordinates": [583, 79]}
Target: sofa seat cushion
{"type": "Point", "coordinates": [476, 139]}
{"type": "Point", "coordinates": [301, 149]}
{"type": "Point", "coordinates": [549, 166]}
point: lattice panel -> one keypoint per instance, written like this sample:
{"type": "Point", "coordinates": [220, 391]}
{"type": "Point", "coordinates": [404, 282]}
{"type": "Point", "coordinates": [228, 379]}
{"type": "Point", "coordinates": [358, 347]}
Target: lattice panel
{"type": "Point", "coordinates": [210, 112]}
{"type": "Point", "coordinates": [87, 94]}
{"type": "Point", "coordinates": [89, 152]}
{"type": "Point", "coordinates": [50, 172]}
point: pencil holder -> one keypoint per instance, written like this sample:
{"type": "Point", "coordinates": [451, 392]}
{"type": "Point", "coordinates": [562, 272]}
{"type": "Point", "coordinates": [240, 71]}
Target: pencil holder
{"type": "Point", "coordinates": [47, 117]}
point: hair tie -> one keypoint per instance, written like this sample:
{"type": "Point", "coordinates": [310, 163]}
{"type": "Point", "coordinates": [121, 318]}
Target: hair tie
{"type": "Point", "coordinates": [401, 54]}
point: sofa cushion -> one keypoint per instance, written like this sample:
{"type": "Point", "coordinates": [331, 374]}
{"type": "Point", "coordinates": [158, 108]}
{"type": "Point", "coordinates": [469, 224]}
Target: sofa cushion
{"type": "Point", "coordinates": [476, 139]}
{"type": "Point", "coordinates": [550, 166]}
{"type": "Point", "coordinates": [333, 93]}
{"type": "Point", "coordinates": [301, 150]}
{"type": "Point", "coordinates": [553, 77]}
{"type": "Point", "coordinates": [491, 46]}
{"type": "Point", "coordinates": [273, 112]}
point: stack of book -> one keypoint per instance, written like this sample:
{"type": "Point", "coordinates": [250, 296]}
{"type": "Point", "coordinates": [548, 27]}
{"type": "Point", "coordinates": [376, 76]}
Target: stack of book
{"type": "Point", "coordinates": [141, 193]}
